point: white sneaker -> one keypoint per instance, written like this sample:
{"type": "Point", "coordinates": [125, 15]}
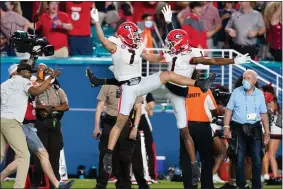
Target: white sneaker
{"type": "Point", "coordinates": [217, 179]}
{"type": "Point", "coordinates": [134, 182]}
{"type": "Point", "coordinates": [6, 179]}
{"type": "Point", "coordinates": [261, 179]}
{"type": "Point", "coordinates": [266, 177]}
{"type": "Point", "coordinates": [155, 181]}
{"type": "Point", "coordinates": [112, 180]}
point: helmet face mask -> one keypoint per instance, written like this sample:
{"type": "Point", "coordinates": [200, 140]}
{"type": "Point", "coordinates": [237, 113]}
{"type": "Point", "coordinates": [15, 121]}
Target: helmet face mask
{"type": "Point", "coordinates": [177, 41]}
{"type": "Point", "coordinates": [170, 46]}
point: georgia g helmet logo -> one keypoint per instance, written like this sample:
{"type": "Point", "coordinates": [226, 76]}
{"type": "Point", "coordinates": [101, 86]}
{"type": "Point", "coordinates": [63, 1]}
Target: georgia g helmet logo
{"type": "Point", "coordinates": [178, 36]}
{"type": "Point", "coordinates": [128, 27]}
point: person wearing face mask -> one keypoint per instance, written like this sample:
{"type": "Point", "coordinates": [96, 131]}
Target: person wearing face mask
{"type": "Point", "coordinates": [14, 99]}
{"type": "Point", "coordinates": [248, 110]}
{"type": "Point", "coordinates": [146, 35]}
{"type": "Point", "coordinates": [50, 107]}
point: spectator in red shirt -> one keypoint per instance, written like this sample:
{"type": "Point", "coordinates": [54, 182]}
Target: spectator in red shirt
{"type": "Point", "coordinates": [80, 42]}
{"type": "Point", "coordinates": [141, 7]}
{"type": "Point", "coordinates": [55, 26]}
{"type": "Point", "coordinates": [194, 27]}
{"type": "Point", "coordinates": [273, 22]}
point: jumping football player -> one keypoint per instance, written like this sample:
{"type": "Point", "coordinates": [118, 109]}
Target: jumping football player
{"type": "Point", "coordinates": [127, 50]}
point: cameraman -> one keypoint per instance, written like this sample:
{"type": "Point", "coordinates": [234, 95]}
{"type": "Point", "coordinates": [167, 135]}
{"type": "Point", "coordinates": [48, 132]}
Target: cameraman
{"type": "Point", "coordinates": [14, 99]}
{"type": "Point", "coordinates": [221, 95]}
{"type": "Point", "coordinates": [50, 107]}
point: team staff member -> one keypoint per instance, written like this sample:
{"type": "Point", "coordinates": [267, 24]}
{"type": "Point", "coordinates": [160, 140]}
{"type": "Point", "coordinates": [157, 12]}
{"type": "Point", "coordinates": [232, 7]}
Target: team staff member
{"type": "Point", "coordinates": [247, 108]}
{"type": "Point", "coordinates": [108, 100]}
{"type": "Point", "coordinates": [50, 107]}
{"type": "Point", "coordinates": [34, 144]}
{"type": "Point", "coordinates": [199, 106]}
{"type": "Point", "coordinates": [14, 99]}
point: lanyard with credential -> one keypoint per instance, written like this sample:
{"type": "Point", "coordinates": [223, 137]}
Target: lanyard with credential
{"type": "Point", "coordinates": [58, 98]}
{"type": "Point", "coordinates": [247, 105]}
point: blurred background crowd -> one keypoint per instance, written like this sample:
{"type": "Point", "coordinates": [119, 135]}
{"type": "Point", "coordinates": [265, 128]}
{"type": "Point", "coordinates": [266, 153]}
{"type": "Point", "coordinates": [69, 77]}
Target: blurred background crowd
{"type": "Point", "coordinates": [68, 26]}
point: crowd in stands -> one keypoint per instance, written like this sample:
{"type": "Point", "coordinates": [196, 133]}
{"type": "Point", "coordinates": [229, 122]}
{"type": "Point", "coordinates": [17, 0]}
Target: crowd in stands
{"type": "Point", "coordinates": [248, 27]}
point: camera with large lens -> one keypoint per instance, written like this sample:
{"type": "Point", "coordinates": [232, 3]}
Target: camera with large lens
{"type": "Point", "coordinates": [32, 45]}
{"type": "Point", "coordinates": [221, 96]}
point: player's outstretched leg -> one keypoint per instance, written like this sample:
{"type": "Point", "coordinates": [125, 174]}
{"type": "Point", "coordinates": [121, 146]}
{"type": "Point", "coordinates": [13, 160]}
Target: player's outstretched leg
{"type": "Point", "coordinates": [204, 85]}
{"type": "Point", "coordinates": [95, 82]}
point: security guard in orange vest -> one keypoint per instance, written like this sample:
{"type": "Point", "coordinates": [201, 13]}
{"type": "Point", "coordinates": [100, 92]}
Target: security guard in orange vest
{"type": "Point", "coordinates": [200, 107]}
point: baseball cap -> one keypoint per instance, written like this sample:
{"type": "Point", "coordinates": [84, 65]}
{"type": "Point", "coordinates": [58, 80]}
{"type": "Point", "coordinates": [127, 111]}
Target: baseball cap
{"type": "Point", "coordinates": [24, 66]}
{"type": "Point", "coordinates": [12, 69]}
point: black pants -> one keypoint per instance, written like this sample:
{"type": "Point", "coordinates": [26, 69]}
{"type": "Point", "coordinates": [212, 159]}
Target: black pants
{"type": "Point", "coordinates": [246, 49]}
{"type": "Point", "coordinates": [277, 54]}
{"type": "Point", "coordinates": [202, 136]}
{"type": "Point", "coordinates": [137, 165]}
{"type": "Point", "coordinates": [149, 146]}
{"type": "Point", "coordinates": [122, 155]}
{"type": "Point", "coordinates": [52, 139]}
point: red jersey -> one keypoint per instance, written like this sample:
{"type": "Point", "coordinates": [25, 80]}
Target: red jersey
{"type": "Point", "coordinates": [141, 7]}
{"type": "Point", "coordinates": [57, 36]}
{"type": "Point", "coordinates": [30, 112]}
{"type": "Point", "coordinates": [79, 13]}
{"type": "Point", "coordinates": [195, 31]}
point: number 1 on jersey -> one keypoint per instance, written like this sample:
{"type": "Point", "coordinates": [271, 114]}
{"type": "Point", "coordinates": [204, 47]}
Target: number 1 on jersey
{"type": "Point", "coordinates": [132, 56]}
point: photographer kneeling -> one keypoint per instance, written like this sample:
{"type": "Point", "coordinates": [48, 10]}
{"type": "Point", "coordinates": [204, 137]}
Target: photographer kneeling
{"type": "Point", "coordinates": [247, 108]}
{"type": "Point", "coordinates": [50, 107]}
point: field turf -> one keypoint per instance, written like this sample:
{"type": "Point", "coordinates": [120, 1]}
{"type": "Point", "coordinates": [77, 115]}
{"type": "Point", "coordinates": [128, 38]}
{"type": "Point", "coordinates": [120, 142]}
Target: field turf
{"type": "Point", "coordinates": [86, 183]}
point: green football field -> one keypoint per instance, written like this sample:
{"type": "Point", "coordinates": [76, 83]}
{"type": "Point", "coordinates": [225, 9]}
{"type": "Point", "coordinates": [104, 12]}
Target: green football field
{"type": "Point", "coordinates": [91, 183]}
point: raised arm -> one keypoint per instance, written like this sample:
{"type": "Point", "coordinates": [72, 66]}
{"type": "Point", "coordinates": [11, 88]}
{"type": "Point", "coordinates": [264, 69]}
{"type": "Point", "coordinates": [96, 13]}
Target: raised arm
{"type": "Point", "coordinates": [111, 47]}
{"type": "Point", "coordinates": [35, 91]}
{"type": "Point", "coordinates": [221, 61]}
{"type": "Point", "coordinates": [167, 13]}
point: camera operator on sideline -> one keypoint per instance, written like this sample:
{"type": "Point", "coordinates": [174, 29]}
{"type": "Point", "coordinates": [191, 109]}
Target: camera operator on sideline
{"type": "Point", "coordinates": [221, 95]}
{"type": "Point", "coordinates": [50, 107]}
{"type": "Point", "coordinates": [14, 99]}
{"type": "Point", "coordinates": [247, 108]}
{"type": "Point", "coordinates": [34, 144]}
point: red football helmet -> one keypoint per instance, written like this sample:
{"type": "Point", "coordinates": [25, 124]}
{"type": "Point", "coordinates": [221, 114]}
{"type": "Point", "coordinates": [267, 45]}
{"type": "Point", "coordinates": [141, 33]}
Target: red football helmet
{"type": "Point", "coordinates": [130, 34]}
{"type": "Point", "coordinates": [177, 41]}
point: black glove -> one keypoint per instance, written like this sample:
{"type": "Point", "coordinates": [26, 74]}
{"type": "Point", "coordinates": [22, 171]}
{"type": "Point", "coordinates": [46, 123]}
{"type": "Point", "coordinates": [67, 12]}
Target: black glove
{"type": "Point", "coordinates": [107, 162]}
{"type": "Point", "coordinates": [195, 173]}
{"type": "Point", "coordinates": [205, 84]}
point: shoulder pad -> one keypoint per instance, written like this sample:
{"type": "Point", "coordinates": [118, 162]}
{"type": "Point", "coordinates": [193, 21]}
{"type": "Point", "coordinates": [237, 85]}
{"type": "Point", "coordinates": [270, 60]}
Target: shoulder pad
{"type": "Point", "coordinates": [114, 40]}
